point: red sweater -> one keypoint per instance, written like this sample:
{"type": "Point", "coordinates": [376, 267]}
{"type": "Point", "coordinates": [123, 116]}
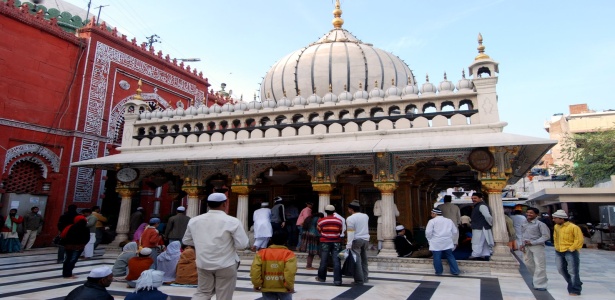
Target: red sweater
{"type": "Point", "coordinates": [330, 229]}
{"type": "Point", "coordinates": [137, 265]}
{"type": "Point", "coordinates": [150, 238]}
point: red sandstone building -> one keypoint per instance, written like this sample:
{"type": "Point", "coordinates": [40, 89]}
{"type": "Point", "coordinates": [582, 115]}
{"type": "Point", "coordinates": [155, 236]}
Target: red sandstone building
{"type": "Point", "coordinates": [61, 98]}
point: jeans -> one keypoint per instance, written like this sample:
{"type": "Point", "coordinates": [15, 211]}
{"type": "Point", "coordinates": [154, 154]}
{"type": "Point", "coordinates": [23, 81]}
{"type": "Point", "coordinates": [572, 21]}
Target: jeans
{"type": "Point", "coordinates": [300, 231]}
{"type": "Point", "coordinates": [69, 262]}
{"type": "Point", "coordinates": [361, 271]}
{"type": "Point", "coordinates": [330, 250]}
{"type": "Point", "coordinates": [277, 296]}
{"type": "Point", "coordinates": [568, 265]}
{"type": "Point", "coordinates": [291, 228]}
{"type": "Point", "coordinates": [99, 236]}
{"type": "Point", "coordinates": [61, 253]}
{"type": "Point", "coordinates": [437, 261]}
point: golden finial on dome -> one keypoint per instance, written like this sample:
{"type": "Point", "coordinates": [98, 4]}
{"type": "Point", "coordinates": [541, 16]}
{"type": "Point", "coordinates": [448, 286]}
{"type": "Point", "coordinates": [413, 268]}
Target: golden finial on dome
{"type": "Point", "coordinates": [392, 81]}
{"type": "Point", "coordinates": [445, 76]}
{"type": "Point", "coordinates": [376, 84]}
{"type": "Point", "coordinates": [463, 73]}
{"type": "Point", "coordinates": [138, 95]}
{"type": "Point", "coordinates": [360, 86]}
{"type": "Point", "coordinates": [337, 13]}
{"type": "Point", "coordinates": [481, 49]}
{"type": "Point", "coordinates": [268, 95]}
{"type": "Point", "coordinates": [330, 88]}
{"type": "Point", "coordinates": [298, 92]}
{"type": "Point", "coordinates": [345, 88]}
{"type": "Point", "coordinates": [426, 77]}
{"type": "Point", "coordinates": [284, 92]}
{"type": "Point", "coordinates": [314, 90]}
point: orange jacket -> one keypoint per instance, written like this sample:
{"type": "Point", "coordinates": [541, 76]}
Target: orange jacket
{"type": "Point", "coordinates": [274, 269]}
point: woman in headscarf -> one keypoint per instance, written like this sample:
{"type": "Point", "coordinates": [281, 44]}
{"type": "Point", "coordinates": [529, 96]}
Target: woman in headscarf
{"type": "Point", "coordinates": [310, 239]}
{"type": "Point", "coordinates": [10, 237]}
{"type": "Point", "coordinates": [147, 287]}
{"type": "Point", "coordinates": [74, 238]}
{"type": "Point", "coordinates": [186, 268]}
{"type": "Point", "coordinates": [167, 261]}
{"type": "Point", "coordinates": [121, 263]}
{"type": "Point", "coordinates": [138, 232]}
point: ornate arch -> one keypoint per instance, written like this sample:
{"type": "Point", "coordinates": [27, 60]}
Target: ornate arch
{"type": "Point", "coordinates": [340, 166]}
{"type": "Point", "coordinates": [301, 163]}
{"type": "Point", "coordinates": [35, 160]}
{"type": "Point", "coordinates": [116, 117]}
{"type": "Point", "coordinates": [33, 149]}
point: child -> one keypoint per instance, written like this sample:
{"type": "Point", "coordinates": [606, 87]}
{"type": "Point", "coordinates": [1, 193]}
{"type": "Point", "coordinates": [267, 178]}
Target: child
{"type": "Point", "coordinates": [280, 265]}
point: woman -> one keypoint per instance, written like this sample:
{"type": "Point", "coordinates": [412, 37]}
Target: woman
{"type": "Point", "coordinates": [74, 238]}
{"type": "Point", "coordinates": [167, 261]}
{"type": "Point", "coordinates": [121, 262]}
{"type": "Point", "coordinates": [147, 287]}
{"type": "Point", "coordinates": [138, 233]}
{"type": "Point", "coordinates": [10, 237]}
{"type": "Point", "coordinates": [310, 239]}
{"type": "Point", "coordinates": [186, 268]}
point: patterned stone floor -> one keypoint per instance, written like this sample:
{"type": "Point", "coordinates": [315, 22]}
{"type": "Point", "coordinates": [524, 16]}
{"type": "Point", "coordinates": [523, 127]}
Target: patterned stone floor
{"type": "Point", "coordinates": [35, 275]}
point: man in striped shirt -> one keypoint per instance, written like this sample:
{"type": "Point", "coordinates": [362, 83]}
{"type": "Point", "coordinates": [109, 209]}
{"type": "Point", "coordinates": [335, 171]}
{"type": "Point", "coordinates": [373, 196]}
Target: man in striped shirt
{"type": "Point", "coordinates": [330, 229]}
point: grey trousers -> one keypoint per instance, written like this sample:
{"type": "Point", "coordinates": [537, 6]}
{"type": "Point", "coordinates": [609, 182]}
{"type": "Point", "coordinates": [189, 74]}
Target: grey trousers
{"type": "Point", "coordinates": [361, 271]}
{"type": "Point", "coordinates": [219, 282]}
{"type": "Point", "coordinates": [536, 262]}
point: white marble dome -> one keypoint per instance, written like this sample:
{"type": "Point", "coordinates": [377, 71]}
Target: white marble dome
{"type": "Point", "coordinates": [337, 59]}
{"type": "Point", "coordinates": [228, 107]}
{"type": "Point", "coordinates": [285, 102]}
{"type": "Point", "coordinates": [193, 111]}
{"type": "Point", "coordinates": [446, 86]}
{"type": "Point", "coordinates": [464, 85]}
{"type": "Point", "coordinates": [241, 106]}
{"type": "Point", "coordinates": [428, 87]}
{"type": "Point", "coordinates": [299, 100]}
{"type": "Point", "coordinates": [255, 105]}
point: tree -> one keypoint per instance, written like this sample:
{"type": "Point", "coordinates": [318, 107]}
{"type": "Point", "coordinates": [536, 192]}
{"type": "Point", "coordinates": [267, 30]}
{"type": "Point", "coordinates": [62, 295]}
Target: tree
{"type": "Point", "coordinates": [592, 155]}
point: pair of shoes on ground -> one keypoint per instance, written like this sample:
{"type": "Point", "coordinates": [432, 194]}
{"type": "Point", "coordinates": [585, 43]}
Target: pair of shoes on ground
{"type": "Point", "coordinates": [540, 289]}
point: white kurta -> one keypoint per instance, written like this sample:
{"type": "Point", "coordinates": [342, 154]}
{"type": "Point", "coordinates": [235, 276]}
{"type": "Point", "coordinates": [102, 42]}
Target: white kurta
{"type": "Point", "coordinates": [216, 237]}
{"type": "Point", "coordinates": [378, 213]}
{"type": "Point", "coordinates": [262, 223]}
{"type": "Point", "coordinates": [440, 233]}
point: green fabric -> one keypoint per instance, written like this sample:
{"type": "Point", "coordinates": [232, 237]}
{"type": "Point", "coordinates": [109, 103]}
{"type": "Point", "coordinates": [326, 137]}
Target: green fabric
{"type": "Point", "coordinates": [10, 224]}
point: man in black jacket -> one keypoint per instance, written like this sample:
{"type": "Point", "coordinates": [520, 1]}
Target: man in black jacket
{"type": "Point", "coordinates": [95, 288]}
{"type": "Point", "coordinates": [403, 246]}
{"type": "Point", "coordinates": [65, 220]}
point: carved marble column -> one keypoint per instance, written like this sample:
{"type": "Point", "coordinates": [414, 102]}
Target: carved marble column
{"type": "Point", "coordinates": [123, 220]}
{"type": "Point", "coordinates": [494, 188]}
{"type": "Point", "coordinates": [193, 207]}
{"type": "Point", "coordinates": [242, 192]}
{"type": "Point", "coordinates": [324, 194]}
{"type": "Point", "coordinates": [387, 190]}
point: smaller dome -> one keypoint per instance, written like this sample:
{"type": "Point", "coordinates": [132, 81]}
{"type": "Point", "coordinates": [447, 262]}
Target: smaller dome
{"type": "Point", "coordinates": [241, 106]}
{"type": "Point", "coordinates": [314, 98]}
{"type": "Point", "coordinates": [298, 100]}
{"type": "Point", "coordinates": [269, 102]}
{"type": "Point", "coordinates": [203, 110]}
{"type": "Point", "coordinates": [192, 111]}
{"type": "Point", "coordinates": [410, 89]}
{"type": "Point", "coordinates": [180, 112]}
{"type": "Point", "coordinates": [345, 95]}
{"type": "Point", "coordinates": [361, 93]}
{"type": "Point", "coordinates": [216, 108]}
{"type": "Point", "coordinates": [329, 98]}
{"type": "Point", "coordinates": [168, 113]}
{"type": "Point", "coordinates": [446, 86]}
{"type": "Point", "coordinates": [428, 87]}
{"type": "Point", "coordinates": [143, 115]}
{"type": "Point", "coordinates": [255, 105]}
{"type": "Point", "coordinates": [285, 102]}
{"type": "Point", "coordinates": [464, 85]}
{"type": "Point", "coordinates": [393, 90]}
{"type": "Point", "coordinates": [228, 107]}
{"type": "Point", "coordinates": [376, 92]}
{"type": "Point", "coordinates": [157, 114]}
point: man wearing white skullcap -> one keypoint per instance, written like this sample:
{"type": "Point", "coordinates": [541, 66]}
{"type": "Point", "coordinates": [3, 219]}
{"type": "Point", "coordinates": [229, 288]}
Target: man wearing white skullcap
{"type": "Point", "coordinates": [95, 287]}
{"type": "Point", "coordinates": [147, 286]}
{"type": "Point", "coordinates": [440, 234]}
{"type": "Point", "coordinates": [262, 227]}
{"type": "Point", "coordinates": [403, 246]}
{"type": "Point", "coordinates": [216, 251]}
{"type": "Point", "coordinates": [176, 227]}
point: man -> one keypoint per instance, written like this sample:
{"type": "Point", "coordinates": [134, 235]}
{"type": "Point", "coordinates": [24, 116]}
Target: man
{"type": "Point", "coordinates": [100, 225]}
{"type": "Point", "coordinates": [534, 234]}
{"type": "Point", "coordinates": [151, 238]}
{"type": "Point", "coordinates": [262, 227]}
{"type": "Point", "coordinates": [176, 227]}
{"type": "Point", "coordinates": [545, 218]}
{"type": "Point", "coordinates": [403, 246]}
{"type": "Point", "coordinates": [136, 265]}
{"type": "Point", "coordinates": [33, 223]}
{"type": "Point", "coordinates": [95, 288]}
{"type": "Point", "coordinates": [136, 219]}
{"type": "Point", "coordinates": [518, 221]}
{"type": "Point", "coordinates": [450, 210]}
{"type": "Point", "coordinates": [305, 212]}
{"type": "Point", "coordinates": [482, 237]}
{"type": "Point", "coordinates": [88, 251]}
{"type": "Point", "coordinates": [273, 269]}
{"type": "Point", "coordinates": [292, 215]}
{"type": "Point", "coordinates": [278, 214]}
{"type": "Point", "coordinates": [217, 258]}
{"type": "Point", "coordinates": [568, 240]}
{"type": "Point", "coordinates": [380, 226]}
{"type": "Point", "coordinates": [342, 235]}
{"type": "Point", "coordinates": [66, 219]}
{"type": "Point", "coordinates": [330, 229]}
{"type": "Point", "coordinates": [440, 234]}
{"type": "Point", "coordinates": [358, 240]}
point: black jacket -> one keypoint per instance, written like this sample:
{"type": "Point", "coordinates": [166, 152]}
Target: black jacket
{"type": "Point", "coordinates": [77, 236]}
{"type": "Point", "coordinates": [89, 291]}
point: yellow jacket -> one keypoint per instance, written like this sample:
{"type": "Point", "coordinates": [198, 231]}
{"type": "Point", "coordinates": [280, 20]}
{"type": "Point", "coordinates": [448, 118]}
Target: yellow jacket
{"type": "Point", "coordinates": [274, 269]}
{"type": "Point", "coordinates": [567, 237]}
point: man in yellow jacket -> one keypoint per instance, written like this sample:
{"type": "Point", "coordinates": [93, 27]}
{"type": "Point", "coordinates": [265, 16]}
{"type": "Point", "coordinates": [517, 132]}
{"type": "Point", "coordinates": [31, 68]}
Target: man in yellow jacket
{"type": "Point", "coordinates": [568, 240]}
{"type": "Point", "coordinates": [274, 268]}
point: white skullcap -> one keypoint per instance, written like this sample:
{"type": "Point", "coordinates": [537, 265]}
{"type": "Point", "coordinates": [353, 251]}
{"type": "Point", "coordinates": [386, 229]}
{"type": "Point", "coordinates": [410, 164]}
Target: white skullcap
{"type": "Point", "coordinates": [139, 208]}
{"type": "Point", "coordinates": [560, 213]}
{"type": "Point", "coordinates": [181, 208]}
{"type": "Point", "coordinates": [264, 204]}
{"type": "Point", "coordinates": [216, 197]}
{"type": "Point", "coordinates": [149, 279]}
{"type": "Point", "coordinates": [399, 227]}
{"type": "Point", "coordinates": [278, 198]}
{"type": "Point", "coordinates": [100, 272]}
{"type": "Point", "coordinates": [145, 251]}
{"type": "Point", "coordinates": [329, 208]}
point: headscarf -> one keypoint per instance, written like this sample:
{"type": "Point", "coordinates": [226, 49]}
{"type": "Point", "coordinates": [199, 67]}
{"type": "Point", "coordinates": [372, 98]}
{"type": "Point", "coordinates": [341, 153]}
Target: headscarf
{"type": "Point", "coordinates": [172, 253]}
{"type": "Point", "coordinates": [186, 268]}
{"type": "Point", "coordinates": [10, 224]}
{"type": "Point", "coordinates": [131, 247]}
{"type": "Point", "coordinates": [139, 232]}
{"type": "Point", "coordinates": [67, 228]}
{"type": "Point", "coordinates": [149, 280]}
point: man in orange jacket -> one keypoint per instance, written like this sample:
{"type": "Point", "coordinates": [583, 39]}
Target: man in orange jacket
{"type": "Point", "coordinates": [274, 268]}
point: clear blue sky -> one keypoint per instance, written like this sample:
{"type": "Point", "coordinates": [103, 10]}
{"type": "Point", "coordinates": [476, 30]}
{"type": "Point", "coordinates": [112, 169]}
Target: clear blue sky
{"type": "Point", "coordinates": [551, 53]}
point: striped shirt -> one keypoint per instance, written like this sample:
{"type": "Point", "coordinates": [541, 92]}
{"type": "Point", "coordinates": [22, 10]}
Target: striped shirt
{"type": "Point", "coordinates": [330, 229]}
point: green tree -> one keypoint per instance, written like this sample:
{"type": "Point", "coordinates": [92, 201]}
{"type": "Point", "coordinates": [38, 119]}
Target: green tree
{"type": "Point", "coordinates": [592, 155]}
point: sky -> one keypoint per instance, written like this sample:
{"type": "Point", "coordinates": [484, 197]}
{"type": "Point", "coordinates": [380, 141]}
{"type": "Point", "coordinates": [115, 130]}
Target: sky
{"type": "Point", "coordinates": [552, 54]}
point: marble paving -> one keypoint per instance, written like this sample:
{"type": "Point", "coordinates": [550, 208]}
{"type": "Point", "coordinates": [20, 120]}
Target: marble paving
{"type": "Point", "coordinates": [36, 275]}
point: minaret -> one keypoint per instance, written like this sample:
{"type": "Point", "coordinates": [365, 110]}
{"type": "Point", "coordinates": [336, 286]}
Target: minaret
{"type": "Point", "coordinates": [484, 72]}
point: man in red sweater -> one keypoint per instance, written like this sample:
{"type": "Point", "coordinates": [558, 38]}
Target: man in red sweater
{"type": "Point", "coordinates": [330, 229]}
{"type": "Point", "coordinates": [137, 265]}
{"type": "Point", "coordinates": [150, 238]}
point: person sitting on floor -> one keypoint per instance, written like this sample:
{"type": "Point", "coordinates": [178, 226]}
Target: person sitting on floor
{"type": "Point", "coordinates": [121, 262]}
{"type": "Point", "coordinates": [186, 268]}
{"type": "Point", "coordinates": [167, 261]}
{"type": "Point", "coordinates": [137, 265]}
{"type": "Point", "coordinates": [147, 287]}
{"type": "Point", "coordinates": [403, 246]}
{"type": "Point", "coordinates": [95, 288]}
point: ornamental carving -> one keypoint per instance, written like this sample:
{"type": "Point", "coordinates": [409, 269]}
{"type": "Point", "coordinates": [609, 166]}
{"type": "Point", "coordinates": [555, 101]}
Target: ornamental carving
{"type": "Point", "coordinates": [494, 186]}
{"type": "Point", "coordinates": [322, 188]}
{"type": "Point", "coordinates": [386, 187]}
{"type": "Point", "coordinates": [192, 191]}
{"type": "Point", "coordinates": [240, 189]}
{"type": "Point", "coordinates": [32, 149]}
{"type": "Point", "coordinates": [126, 193]}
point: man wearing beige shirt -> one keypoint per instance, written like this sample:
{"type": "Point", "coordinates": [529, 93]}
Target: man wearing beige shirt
{"type": "Point", "coordinates": [450, 210]}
